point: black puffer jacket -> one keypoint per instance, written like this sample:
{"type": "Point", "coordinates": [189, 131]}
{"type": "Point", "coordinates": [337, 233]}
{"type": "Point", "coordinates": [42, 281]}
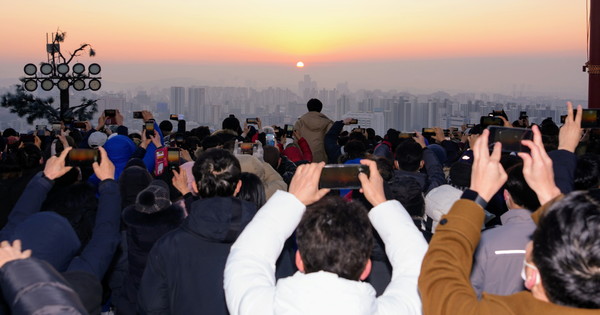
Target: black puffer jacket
{"type": "Point", "coordinates": [143, 230]}
{"type": "Point", "coordinates": [184, 272]}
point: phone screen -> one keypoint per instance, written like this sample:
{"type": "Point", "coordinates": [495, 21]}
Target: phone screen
{"type": "Point", "coordinates": [149, 127]}
{"type": "Point", "coordinates": [137, 115]}
{"type": "Point", "coordinates": [589, 118]}
{"type": "Point", "coordinates": [342, 176]}
{"type": "Point", "coordinates": [173, 157]}
{"type": "Point", "coordinates": [289, 130]}
{"type": "Point", "coordinates": [407, 135]}
{"type": "Point", "coordinates": [246, 147]}
{"type": "Point", "coordinates": [252, 120]}
{"type": "Point", "coordinates": [174, 117]}
{"type": "Point", "coordinates": [491, 121]}
{"type": "Point", "coordinates": [82, 157]}
{"type": "Point", "coordinates": [428, 131]}
{"type": "Point", "coordinates": [510, 138]}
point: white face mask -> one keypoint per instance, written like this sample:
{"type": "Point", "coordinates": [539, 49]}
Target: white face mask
{"type": "Point", "coordinates": [524, 274]}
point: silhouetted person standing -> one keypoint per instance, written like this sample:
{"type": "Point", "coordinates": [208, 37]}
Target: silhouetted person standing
{"type": "Point", "coordinates": [313, 126]}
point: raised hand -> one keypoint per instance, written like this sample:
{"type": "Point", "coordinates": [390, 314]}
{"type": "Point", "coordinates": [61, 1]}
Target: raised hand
{"type": "Point", "coordinates": [372, 185]}
{"type": "Point", "coordinates": [305, 183]}
{"type": "Point", "coordinates": [180, 181]}
{"type": "Point", "coordinates": [570, 132]}
{"type": "Point", "coordinates": [537, 168]}
{"type": "Point", "coordinates": [106, 169]}
{"type": "Point", "coordinates": [487, 175]}
{"type": "Point", "coordinates": [55, 166]}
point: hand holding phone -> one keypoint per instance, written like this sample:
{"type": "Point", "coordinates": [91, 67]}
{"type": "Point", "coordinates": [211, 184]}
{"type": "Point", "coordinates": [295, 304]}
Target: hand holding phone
{"type": "Point", "coordinates": [149, 128]}
{"type": "Point", "coordinates": [82, 157]}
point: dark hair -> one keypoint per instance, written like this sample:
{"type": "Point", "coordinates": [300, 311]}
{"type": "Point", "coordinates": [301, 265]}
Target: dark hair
{"type": "Point", "coordinates": [29, 156]}
{"type": "Point", "coordinates": [587, 172]}
{"type": "Point", "coordinates": [520, 192]}
{"type": "Point", "coordinates": [409, 192]}
{"type": "Point", "coordinates": [271, 155]}
{"type": "Point", "coordinates": [566, 250]}
{"type": "Point", "coordinates": [211, 142]}
{"type": "Point", "coordinates": [460, 174]}
{"type": "Point", "coordinates": [165, 125]}
{"type": "Point", "coordinates": [370, 134]}
{"type": "Point", "coordinates": [314, 105]}
{"type": "Point", "coordinates": [384, 166]}
{"type": "Point", "coordinates": [217, 173]}
{"type": "Point", "coordinates": [252, 190]}
{"type": "Point", "coordinates": [409, 155]}
{"type": "Point", "coordinates": [335, 235]}
{"type": "Point", "coordinates": [354, 149]}
{"type": "Point", "coordinates": [232, 123]}
{"type": "Point", "coordinates": [10, 132]}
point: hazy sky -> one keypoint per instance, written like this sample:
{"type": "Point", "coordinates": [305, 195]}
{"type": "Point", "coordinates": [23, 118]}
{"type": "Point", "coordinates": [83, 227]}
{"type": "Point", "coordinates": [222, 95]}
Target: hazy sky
{"type": "Point", "coordinates": [431, 45]}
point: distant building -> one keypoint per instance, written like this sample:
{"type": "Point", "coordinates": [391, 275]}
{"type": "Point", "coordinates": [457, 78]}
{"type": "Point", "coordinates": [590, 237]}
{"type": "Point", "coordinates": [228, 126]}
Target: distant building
{"type": "Point", "coordinates": [368, 120]}
{"type": "Point", "coordinates": [196, 104]}
{"type": "Point", "coordinates": [177, 100]}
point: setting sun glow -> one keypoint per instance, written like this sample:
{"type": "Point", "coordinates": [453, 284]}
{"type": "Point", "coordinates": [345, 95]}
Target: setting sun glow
{"type": "Point", "coordinates": [300, 64]}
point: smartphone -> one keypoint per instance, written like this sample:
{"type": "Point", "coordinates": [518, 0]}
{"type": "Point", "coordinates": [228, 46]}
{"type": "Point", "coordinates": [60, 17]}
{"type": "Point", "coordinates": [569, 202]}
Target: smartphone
{"type": "Point", "coordinates": [491, 121]}
{"type": "Point", "coordinates": [25, 138]}
{"type": "Point", "coordinates": [138, 115]}
{"type": "Point", "coordinates": [358, 130]}
{"type": "Point", "coordinates": [179, 139]}
{"type": "Point", "coordinates": [246, 147]}
{"type": "Point", "coordinates": [82, 157]}
{"type": "Point", "coordinates": [354, 121]}
{"type": "Point", "coordinates": [428, 131]}
{"type": "Point", "coordinates": [176, 117]}
{"type": "Point", "coordinates": [67, 120]}
{"type": "Point", "coordinates": [78, 125]}
{"type": "Point", "coordinates": [149, 127]}
{"type": "Point", "coordinates": [40, 130]}
{"type": "Point", "coordinates": [252, 120]}
{"type": "Point", "coordinates": [289, 130]}
{"type": "Point", "coordinates": [173, 157]}
{"type": "Point", "coordinates": [446, 132]}
{"type": "Point", "coordinates": [407, 135]}
{"type": "Point", "coordinates": [56, 127]}
{"type": "Point", "coordinates": [510, 138]}
{"type": "Point", "coordinates": [109, 115]}
{"type": "Point", "coordinates": [342, 176]}
{"type": "Point", "coordinates": [470, 125]}
{"type": "Point", "coordinates": [589, 119]}
{"type": "Point", "coordinates": [563, 118]}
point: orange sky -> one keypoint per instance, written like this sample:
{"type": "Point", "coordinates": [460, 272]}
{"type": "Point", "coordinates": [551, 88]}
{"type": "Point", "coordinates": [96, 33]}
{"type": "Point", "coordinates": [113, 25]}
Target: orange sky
{"type": "Point", "coordinates": [288, 31]}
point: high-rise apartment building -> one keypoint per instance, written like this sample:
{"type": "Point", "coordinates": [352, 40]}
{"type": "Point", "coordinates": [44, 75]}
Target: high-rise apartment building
{"type": "Point", "coordinates": [197, 104]}
{"type": "Point", "coordinates": [177, 104]}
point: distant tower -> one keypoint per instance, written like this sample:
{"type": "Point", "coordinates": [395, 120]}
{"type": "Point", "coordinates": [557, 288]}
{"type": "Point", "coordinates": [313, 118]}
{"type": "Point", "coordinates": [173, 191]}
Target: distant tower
{"type": "Point", "coordinates": [177, 100]}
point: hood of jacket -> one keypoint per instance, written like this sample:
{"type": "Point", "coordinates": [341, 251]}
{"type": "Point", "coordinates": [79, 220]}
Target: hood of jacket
{"type": "Point", "coordinates": [219, 219]}
{"type": "Point", "coordinates": [315, 121]}
{"type": "Point", "coordinates": [50, 237]}
{"type": "Point", "coordinates": [119, 149]}
{"type": "Point", "coordinates": [323, 293]}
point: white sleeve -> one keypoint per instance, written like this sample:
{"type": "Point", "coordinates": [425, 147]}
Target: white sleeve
{"type": "Point", "coordinates": [405, 247]}
{"type": "Point", "coordinates": [249, 279]}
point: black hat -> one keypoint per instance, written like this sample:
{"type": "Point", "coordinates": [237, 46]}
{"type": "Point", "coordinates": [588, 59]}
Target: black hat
{"type": "Point", "coordinates": [154, 198]}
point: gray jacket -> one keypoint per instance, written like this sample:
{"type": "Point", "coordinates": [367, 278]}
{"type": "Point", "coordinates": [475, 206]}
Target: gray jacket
{"type": "Point", "coordinates": [499, 256]}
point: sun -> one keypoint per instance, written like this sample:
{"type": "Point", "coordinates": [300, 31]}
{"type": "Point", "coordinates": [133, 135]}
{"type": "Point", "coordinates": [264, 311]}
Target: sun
{"type": "Point", "coordinates": [300, 64]}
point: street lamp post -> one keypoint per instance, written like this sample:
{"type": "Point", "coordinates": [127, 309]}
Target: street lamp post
{"type": "Point", "coordinates": [55, 73]}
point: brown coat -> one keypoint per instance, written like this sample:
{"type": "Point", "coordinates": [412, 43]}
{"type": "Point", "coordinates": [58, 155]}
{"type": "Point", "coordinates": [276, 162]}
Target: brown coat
{"type": "Point", "coordinates": [444, 281]}
{"type": "Point", "coordinates": [313, 126]}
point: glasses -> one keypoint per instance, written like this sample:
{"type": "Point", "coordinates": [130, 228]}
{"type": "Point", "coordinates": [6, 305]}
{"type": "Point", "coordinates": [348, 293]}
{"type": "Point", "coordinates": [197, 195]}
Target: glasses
{"type": "Point", "coordinates": [524, 275]}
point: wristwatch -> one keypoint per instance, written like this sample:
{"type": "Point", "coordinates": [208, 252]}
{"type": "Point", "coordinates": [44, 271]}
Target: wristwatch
{"type": "Point", "coordinates": [474, 196]}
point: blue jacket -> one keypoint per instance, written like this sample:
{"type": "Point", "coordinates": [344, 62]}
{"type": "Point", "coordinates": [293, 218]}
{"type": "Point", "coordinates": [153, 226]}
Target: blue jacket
{"type": "Point", "coordinates": [52, 238]}
{"type": "Point", "coordinates": [332, 149]}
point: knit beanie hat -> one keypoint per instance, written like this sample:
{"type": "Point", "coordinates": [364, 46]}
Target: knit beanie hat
{"type": "Point", "coordinates": [154, 198]}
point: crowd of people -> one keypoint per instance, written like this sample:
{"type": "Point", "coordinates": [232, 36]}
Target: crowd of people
{"type": "Point", "coordinates": [235, 221]}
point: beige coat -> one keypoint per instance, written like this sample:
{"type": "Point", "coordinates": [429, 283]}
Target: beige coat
{"type": "Point", "coordinates": [313, 126]}
{"type": "Point", "coordinates": [444, 281]}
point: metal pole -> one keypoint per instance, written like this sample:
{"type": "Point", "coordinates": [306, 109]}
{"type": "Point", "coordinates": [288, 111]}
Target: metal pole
{"type": "Point", "coordinates": [594, 62]}
{"type": "Point", "coordinates": [64, 102]}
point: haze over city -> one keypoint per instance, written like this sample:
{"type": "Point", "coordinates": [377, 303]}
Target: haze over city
{"type": "Point", "coordinates": [424, 46]}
